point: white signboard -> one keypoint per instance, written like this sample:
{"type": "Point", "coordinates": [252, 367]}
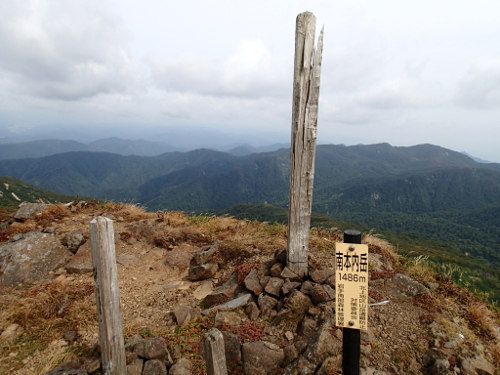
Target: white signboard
{"type": "Point", "coordinates": [351, 288]}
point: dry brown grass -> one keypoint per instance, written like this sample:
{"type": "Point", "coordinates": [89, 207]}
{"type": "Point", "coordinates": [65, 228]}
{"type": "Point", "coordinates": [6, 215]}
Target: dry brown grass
{"type": "Point", "coordinates": [19, 228]}
{"type": "Point", "coordinates": [482, 319]}
{"type": "Point", "coordinates": [45, 313]}
{"type": "Point", "coordinates": [52, 214]}
{"type": "Point", "coordinates": [380, 246]}
{"type": "Point", "coordinates": [131, 212]}
{"type": "Point", "coordinates": [173, 219]}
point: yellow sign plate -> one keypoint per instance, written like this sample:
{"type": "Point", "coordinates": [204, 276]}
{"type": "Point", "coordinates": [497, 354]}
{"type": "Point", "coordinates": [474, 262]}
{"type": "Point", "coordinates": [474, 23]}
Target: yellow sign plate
{"type": "Point", "coordinates": [351, 285]}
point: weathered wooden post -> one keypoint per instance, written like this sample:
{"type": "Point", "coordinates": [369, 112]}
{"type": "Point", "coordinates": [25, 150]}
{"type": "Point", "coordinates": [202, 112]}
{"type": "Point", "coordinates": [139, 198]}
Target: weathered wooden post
{"type": "Point", "coordinates": [108, 297]}
{"type": "Point", "coordinates": [307, 70]}
{"type": "Point", "coordinates": [215, 355]}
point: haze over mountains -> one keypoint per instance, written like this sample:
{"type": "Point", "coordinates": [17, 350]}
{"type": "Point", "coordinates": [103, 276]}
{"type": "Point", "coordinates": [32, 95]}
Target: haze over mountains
{"type": "Point", "coordinates": [139, 147]}
{"type": "Point", "coordinates": [422, 190]}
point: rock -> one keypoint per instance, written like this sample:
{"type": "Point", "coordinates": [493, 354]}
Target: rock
{"type": "Point", "coordinates": [280, 256]}
{"type": "Point", "coordinates": [408, 286]}
{"type": "Point", "coordinates": [330, 366]}
{"type": "Point", "coordinates": [30, 258]}
{"type": "Point", "coordinates": [151, 348]}
{"type": "Point", "coordinates": [323, 346]}
{"type": "Point", "coordinates": [28, 210]}
{"type": "Point", "coordinates": [261, 358]}
{"type": "Point", "coordinates": [307, 328]}
{"type": "Point", "coordinates": [252, 282]}
{"type": "Point", "coordinates": [92, 365]}
{"type": "Point", "coordinates": [203, 290]}
{"type": "Point", "coordinates": [252, 311]}
{"type": "Point", "coordinates": [66, 371]}
{"type": "Point", "coordinates": [227, 319]}
{"type": "Point", "coordinates": [81, 262]}
{"type": "Point", "coordinates": [266, 302]}
{"type": "Point", "coordinates": [203, 272]}
{"type": "Point", "coordinates": [431, 285]}
{"type": "Point", "coordinates": [180, 257]}
{"type": "Point", "coordinates": [291, 353]}
{"type": "Point", "coordinates": [477, 365]}
{"type": "Point", "coordinates": [306, 287]}
{"type": "Point", "coordinates": [276, 269]}
{"type": "Point", "coordinates": [184, 314]}
{"type": "Point", "coordinates": [135, 367]}
{"type": "Point", "coordinates": [274, 286]}
{"type": "Point", "coordinates": [439, 366]}
{"type": "Point", "coordinates": [224, 293]}
{"type": "Point", "coordinates": [11, 333]}
{"type": "Point", "coordinates": [298, 302]}
{"type": "Point", "coordinates": [288, 286]}
{"type": "Point", "coordinates": [154, 367]}
{"type": "Point", "coordinates": [301, 366]}
{"type": "Point", "coordinates": [231, 305]}
{"type": "Point", "coordinates": [70, 336]}
{"type": "Point", "coordinates": [322, 293]}
{"type": "Point", "coordinates": [73, 241]}
{"type": "Point", "coordinates": [232, 347]}
{"type": "Point", "coordinates": [182, 366]}
{"type": "Point", "coordinates": [320, 276]}
{"type": "Point", "coordinates": [264, 280]}
{"type": "Point", "coordinates": [289, 274]}
{"type": "Point", "coordinates": [173, 285]}
{"type": "Point", "coordinates": [204, 255]}
{"type": "Point", "coordinates": [130, 356]}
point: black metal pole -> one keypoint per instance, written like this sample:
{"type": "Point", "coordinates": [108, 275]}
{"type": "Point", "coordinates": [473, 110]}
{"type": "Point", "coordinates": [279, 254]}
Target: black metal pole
{"type": "Point", "coordinates": [351, 338]}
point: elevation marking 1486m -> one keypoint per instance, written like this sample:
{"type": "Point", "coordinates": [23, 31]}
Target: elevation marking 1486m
{"type": "Point", "coordinates": [351, 273]}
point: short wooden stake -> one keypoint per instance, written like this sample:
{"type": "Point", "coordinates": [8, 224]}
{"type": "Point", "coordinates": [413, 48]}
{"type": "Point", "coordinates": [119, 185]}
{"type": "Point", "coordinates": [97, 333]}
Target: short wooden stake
{"type": "Point", "coordinates": [351, 338]}
{"type": "Point", "coordinates": [306, 81]}
{"type": "Point", "coordinates": [108, 297]}
{"type": "Point", "coordinates": [215, 355]}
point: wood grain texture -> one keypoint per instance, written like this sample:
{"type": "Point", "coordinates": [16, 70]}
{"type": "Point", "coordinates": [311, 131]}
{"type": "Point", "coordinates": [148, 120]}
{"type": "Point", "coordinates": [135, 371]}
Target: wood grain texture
{"type": "Point", "coordinates": [306, 84]}
{"type": "Point", "coordinates": [108, 296]}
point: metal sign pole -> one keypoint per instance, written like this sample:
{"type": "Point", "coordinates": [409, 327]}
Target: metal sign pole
{"type": "Point", "coordinates": [351, 339]}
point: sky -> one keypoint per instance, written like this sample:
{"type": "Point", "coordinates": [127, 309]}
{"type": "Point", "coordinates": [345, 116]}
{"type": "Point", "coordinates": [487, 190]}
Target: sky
{"type": "Point", "coordinates": [402, 72]}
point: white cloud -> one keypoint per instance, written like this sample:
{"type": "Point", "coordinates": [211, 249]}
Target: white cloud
{"type": "Point", "coordinates": [250, 72]}
{"type": "Point", "coordinates": [480, 88]}
{"type": "Point", "coordinates": [63, 50]}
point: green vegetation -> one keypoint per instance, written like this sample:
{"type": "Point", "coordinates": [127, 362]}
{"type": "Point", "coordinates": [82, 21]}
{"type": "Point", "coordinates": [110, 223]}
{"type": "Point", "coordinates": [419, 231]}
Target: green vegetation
{"type": "Point", "coordinates": [420, 192]}
{"type": "Point", "coordinates": [13, 192]}
{"type": "Point", "coordinates": [445, 258]}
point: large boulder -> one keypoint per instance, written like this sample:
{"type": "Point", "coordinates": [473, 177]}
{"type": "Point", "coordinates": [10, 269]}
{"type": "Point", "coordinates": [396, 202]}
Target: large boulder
{"type": "Point", "coordinates": [28, 210]}
{"type": "Point", "coordinates": [81, 262]}
{"type": "Point", "coordinates": [30, 257]}
{"type": "Point", "coordinates": [261, 358]}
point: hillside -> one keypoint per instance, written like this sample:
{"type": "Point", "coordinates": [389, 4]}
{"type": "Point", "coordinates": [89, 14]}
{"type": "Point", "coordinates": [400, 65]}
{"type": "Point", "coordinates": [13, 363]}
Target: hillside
{"type": "Point", "coordinates": [13, 192]}
{"type": "Point", "coordinates": [422, 190]}
{"type": "Point", "coordinates": [52, 318]}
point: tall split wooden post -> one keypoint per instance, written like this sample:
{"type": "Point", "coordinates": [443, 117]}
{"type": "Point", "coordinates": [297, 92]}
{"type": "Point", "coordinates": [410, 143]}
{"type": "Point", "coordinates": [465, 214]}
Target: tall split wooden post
{"type": "Point", "coordinates": [306, 80]}
{"type": "Point", "coordinates": [108, 297]}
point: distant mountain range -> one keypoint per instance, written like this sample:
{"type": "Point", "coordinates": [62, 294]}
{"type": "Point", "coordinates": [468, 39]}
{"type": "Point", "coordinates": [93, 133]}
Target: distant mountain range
{"type": "Point", "coordinates": [125, 147]}
{"type": "Point", "coordinates": [47, 147]}
{"type": "Point", "coordinates": [421, 190]}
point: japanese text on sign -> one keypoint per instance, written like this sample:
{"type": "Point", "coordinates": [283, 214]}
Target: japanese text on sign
{"type": "Point", "coordinates": [351, 269]}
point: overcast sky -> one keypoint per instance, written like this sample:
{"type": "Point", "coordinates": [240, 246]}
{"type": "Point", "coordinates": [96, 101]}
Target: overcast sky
{"type": "Point", "coordinates": [403, 72]}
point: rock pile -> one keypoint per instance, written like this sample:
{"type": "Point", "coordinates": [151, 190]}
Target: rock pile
{"type": "Point", "coordinates": [145, 356]}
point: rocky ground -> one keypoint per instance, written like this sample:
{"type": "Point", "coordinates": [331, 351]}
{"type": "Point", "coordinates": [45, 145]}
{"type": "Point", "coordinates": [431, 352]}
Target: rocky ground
{"type": "Point", "coordinates": [173, 267]}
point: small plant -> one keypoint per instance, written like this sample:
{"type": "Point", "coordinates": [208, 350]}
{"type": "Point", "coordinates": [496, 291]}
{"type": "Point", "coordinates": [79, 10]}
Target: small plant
{"type": "Point", "coordinates": [243, 270]}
